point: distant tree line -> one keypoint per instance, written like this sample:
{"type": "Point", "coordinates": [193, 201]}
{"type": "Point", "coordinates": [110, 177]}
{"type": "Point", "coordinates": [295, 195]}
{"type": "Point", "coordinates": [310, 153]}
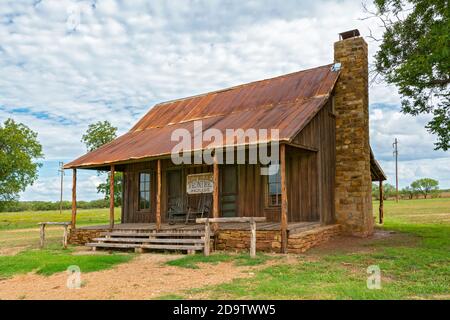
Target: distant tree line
{"type": "Point", "coordinates": [18, 206]}
{"type": "Point", "coordinates": [425, 187]}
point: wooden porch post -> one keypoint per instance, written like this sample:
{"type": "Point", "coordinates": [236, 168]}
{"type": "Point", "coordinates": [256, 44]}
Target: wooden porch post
{"type": "Point", "coordinates": [74, 198]}
{"type": "Point", "coordinates": [284, 199]}
{"type": "Point", "coordinates": [111, 198]}
{"type": "Point", "coordinates": [215, 191]}
{"type": "Point", "coordinates": [381, 213]}
{"type": "Point", "coordinates": [158, 195]}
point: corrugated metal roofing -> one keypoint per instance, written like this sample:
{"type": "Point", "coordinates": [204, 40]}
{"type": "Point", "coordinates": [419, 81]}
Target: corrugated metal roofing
{"type": "Point", "coordinates": [287, 103]}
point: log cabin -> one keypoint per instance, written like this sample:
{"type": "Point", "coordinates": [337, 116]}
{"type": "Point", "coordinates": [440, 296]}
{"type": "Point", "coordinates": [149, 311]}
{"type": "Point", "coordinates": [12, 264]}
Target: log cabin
{"type": "Point", "coordinates": [321, 184]}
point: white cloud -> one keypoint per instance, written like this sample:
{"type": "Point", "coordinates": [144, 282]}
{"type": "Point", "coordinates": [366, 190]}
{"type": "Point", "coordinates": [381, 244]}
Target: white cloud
{"type": "Point", "coordinates": [125, 56]}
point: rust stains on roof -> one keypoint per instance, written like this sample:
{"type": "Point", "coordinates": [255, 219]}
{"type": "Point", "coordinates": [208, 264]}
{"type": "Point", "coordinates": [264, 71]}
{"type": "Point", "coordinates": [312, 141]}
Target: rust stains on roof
{"type": "Point", "coordinates": [286, 103]}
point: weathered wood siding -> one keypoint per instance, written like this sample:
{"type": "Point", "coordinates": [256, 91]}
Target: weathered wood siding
{"type": "Point", "coordinates": [320, 135]}
{"type": "Point", "coordinates": [302, 185]}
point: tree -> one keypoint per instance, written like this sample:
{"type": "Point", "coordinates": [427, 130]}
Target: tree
{"type": "Point", "coordinates": [414, 55]}
{"type": "Point", "coordinates": [388, 191]}
{"type": "Point", "coordinates": [19, 148]}
{"type": "Point", "coordinates": [408, 192]}
{"type": "Point", "coordinates": [425, 186]}
{"type": "Point", "coordinates": [97, 135]}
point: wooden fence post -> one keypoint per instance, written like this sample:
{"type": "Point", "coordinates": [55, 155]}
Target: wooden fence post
{"type": "Point", "coordinates": [42, 235]}
{"type": "Point", "coordinates": [253, 238]}
{"type": "Point", "coordinates": [65, 236]}
{"type": "Point", "coordinates": [207, 238]}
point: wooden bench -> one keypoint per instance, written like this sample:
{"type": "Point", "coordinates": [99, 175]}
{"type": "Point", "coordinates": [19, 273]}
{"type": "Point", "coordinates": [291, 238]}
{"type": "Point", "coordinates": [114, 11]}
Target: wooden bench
{"type": "Point", "coordinates": [42, 226]}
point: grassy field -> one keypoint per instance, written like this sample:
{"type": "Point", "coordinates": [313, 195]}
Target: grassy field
{"type": "Point", "coordinates": [19, 230]}
{"type": "Point", "coordinates": [413, 255]}
{"type": "Point", "coordinates": [30, 219]}
{"type": "Point", "coordinates": [414, 263]}
{"type": "Point", "coordinates": [19, 242]}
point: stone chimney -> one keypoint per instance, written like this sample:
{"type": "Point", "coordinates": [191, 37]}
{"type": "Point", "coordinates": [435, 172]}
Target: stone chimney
{"type": "Point", "coordinates": [353, 191]}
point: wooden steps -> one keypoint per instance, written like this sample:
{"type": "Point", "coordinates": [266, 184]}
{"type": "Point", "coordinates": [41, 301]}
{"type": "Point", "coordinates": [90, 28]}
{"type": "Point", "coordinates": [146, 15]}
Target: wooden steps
{"type": "Point", "coordinates": [177, 241]}
{"type": "Point", "coordinates": [152, 234]}
{"type": "Point", "coordinates": [145, 240]}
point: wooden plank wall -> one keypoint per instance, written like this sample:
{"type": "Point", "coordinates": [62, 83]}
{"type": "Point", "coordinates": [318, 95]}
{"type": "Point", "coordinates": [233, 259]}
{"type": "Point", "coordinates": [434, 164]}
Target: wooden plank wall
{"type": "Point", "coordinates": [302, 185]}
{"type": "Point", "coordinates": [320, 134]}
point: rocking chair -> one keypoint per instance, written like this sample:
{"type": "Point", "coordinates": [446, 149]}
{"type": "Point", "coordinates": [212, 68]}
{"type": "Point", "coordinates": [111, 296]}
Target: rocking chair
{"type": "Point", "coordinates": [202, 210]}
{"type": "Point", "coordinates": [176, 211]}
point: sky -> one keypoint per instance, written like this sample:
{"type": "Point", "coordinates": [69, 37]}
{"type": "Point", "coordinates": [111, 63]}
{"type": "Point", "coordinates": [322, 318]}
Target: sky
{"type": "Point", "coordinates": [65, 64]}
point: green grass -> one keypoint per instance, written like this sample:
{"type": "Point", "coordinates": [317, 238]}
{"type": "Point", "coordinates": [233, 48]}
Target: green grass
{"type": "Point", "coordinates": [192, 261]}
{"type": "Point", "coordinates": [171, 297]}
{"type": "Point", "coordinates": [415, 263]}
{"type": "Point", "coordinates": [50, 261]}
{"type": "Point", "coordinates": [416, 266]}
{"type": "Point", "coordinates": [30, 219]}
{"type": "Point", "coordinates": [19, 230]}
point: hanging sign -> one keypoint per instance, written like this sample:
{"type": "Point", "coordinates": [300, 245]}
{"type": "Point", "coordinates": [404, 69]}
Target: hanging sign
{"type": "Point", "coordinates": [199, 183]}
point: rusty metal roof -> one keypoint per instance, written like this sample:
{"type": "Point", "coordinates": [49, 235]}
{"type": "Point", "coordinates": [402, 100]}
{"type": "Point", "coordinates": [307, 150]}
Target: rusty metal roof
{"type": "Point", "coordinates": [286, 103]}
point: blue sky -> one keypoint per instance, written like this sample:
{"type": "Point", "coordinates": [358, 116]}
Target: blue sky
{"type": "Point", "coordinates": [66, 64]}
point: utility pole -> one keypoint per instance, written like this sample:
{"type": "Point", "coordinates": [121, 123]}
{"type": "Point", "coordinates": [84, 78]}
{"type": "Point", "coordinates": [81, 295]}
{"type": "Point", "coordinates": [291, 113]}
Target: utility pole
{"type": "Point", "coordinates": [395, 146]}
{"type": "Point", "coordinates": [61, 171]}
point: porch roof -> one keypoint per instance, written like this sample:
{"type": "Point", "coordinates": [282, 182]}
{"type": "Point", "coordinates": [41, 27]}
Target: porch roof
{"type": "Point", "coordinates": [375, 169]}
{"type": "Point", "coordinates": [286, 103]}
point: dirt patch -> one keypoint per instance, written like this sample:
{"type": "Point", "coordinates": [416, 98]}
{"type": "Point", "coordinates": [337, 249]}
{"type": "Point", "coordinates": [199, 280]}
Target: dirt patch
{"type": "Point", "coordinates": [344, 244]}
{"type": "Point", "coordinates": [145, 277]}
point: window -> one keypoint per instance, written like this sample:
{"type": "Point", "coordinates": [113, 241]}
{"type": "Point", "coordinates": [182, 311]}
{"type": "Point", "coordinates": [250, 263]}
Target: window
{"type": "Point", "coordinates": [144, 191]}
{"type": "Point", "coordinates": [274, 186]}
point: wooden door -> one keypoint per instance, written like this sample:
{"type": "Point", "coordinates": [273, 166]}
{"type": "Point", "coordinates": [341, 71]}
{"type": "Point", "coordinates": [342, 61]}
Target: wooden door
{"type": "Point", "coordinates": [229, 191]}
{"type": "Point", "coordinates": [174, 188]}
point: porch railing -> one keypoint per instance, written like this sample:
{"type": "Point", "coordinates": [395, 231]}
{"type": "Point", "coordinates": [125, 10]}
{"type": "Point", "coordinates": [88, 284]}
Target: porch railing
{"type": "Point", "coordinates": [251, 220]}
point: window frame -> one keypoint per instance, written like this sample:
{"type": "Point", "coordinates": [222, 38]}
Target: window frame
{"type": "Point", "coordinates": [139, 191]}
{"type": "Point", "coordinates": [268, 184]}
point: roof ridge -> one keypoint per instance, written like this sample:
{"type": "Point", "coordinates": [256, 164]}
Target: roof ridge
{"type": "Point", "coordinates": [239, 86]}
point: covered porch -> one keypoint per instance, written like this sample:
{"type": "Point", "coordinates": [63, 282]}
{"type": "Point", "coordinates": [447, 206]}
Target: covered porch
{"type": "Point", "coordinates": [237, 191]}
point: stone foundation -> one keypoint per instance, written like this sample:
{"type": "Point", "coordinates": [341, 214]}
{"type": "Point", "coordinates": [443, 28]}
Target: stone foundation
{"type": "Point", "coordinates": [83, 236]}
{"type": "Point", "coordinates": [270, 241]}
{"type": "Point", "coordinates": [239, 240]}
{"type": "Point", "coordinates": [298, 243]}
